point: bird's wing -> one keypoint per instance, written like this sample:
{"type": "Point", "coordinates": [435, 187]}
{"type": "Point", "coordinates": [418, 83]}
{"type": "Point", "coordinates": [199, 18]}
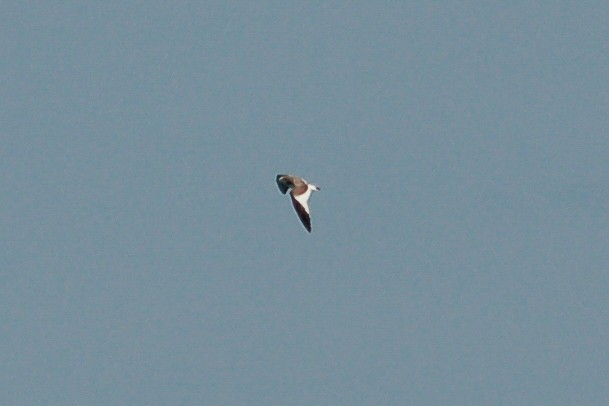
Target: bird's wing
{"type": "Point", "coordinates": [300, 198]}
{"type": "Point", "coordinates": [303, 212]}
{"type": "Point", "coordinates": [284, 183]}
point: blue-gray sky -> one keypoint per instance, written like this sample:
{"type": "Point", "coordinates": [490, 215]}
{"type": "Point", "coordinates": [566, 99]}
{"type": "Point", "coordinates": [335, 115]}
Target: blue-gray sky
{"type": "Point", "coordinates": [459, 252]}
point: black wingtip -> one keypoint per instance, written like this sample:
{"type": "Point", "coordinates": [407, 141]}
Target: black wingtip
{"type": "Point", "coordinates": [282, 187]}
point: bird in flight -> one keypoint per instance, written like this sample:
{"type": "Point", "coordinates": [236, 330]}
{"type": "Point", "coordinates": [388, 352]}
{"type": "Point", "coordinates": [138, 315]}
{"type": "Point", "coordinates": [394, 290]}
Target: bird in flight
{"type": "Point", "coordinates": [300, 193]}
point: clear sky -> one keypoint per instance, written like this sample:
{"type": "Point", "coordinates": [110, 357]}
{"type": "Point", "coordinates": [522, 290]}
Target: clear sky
{"type": "Point", "coordinates": [460, 244]}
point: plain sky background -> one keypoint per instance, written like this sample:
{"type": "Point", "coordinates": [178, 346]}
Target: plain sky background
{"type": "Point", "coordinates": [460, 245]}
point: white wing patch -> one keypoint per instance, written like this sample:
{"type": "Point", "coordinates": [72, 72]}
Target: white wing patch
{"type": "Point", "coordinates": [303, 199]}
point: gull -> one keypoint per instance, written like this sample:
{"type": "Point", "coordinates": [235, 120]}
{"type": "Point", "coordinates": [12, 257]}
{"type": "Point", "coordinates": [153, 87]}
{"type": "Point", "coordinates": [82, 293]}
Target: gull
{"type": "Point", "coordinates": [300, 193]}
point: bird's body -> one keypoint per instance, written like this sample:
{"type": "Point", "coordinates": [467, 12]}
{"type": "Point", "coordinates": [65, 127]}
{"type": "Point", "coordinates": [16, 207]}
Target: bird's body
{"type": "Point", "coordinates": [300, 193]}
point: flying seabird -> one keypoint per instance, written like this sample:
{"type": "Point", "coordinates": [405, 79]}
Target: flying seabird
{"type": "Point", "coordinates": [300, 193]}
